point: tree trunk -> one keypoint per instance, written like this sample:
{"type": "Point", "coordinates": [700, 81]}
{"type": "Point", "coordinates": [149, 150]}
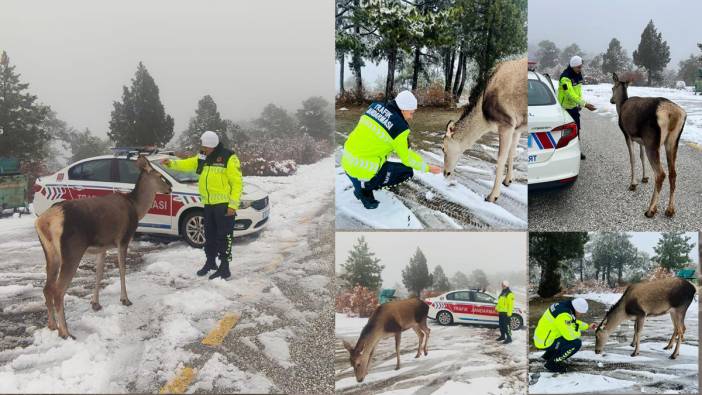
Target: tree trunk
{"type": "Point", "coordinates": [459, 73]}
{"type": "Point", "coordinates": [551, 280]}
{"type": "Point", "coordinates": [390, 82]}
{"type": "Point", "coordinates": [581, 269]}
{"type": "Point", "coordinates": [449, 70]}
{"type": "Point", "coordinates": [342, 59]}
{"type": "Point", "coordinates": [649, 77]}
{"type": "Point", "coordinates": [417, 67]}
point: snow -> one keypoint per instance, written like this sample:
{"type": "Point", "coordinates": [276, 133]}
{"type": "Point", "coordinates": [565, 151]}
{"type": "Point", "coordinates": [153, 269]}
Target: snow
{"type": "Point", "coordinates": [138, 348]}
{"type": "Point", "coordinates": [550, 383]}
{"type": "Point", "coordinates": [600, 94]}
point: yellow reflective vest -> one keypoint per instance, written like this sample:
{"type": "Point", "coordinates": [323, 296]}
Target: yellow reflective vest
{"type": "Point", "coordinates": [381, 131]}
{"type": "Point", "coordinates": [570, 94]}
{"type": "Point", "coordinates": [220, 178]}
{"type": "Point", "coordinates": [505, 302]}
{"type": "Point", "coordinates": [556, 322]}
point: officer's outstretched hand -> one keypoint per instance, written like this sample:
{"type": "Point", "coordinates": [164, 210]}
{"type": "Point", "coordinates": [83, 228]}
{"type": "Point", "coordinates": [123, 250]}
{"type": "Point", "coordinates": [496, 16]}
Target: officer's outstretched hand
{"type": "Point", "coordinates": [434, 169]}
{"type": "Point", "coordinates": [166, 162]}
{"type": "Point", "coordinates": [590, 107]}
{"type": "Point", "coordinates": [230, 211]}
{"type": "Point", "coordinates": [593, 326]}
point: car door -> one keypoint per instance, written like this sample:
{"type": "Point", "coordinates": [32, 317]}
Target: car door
{"type": "Point", "coordinates": [88, 179]}
{"type": "Point", "coordinates": [159, 218]}
{"type": "Point", "coordinates": [484, 307]}
{"type": "Point", "coordinates": [458, 303]}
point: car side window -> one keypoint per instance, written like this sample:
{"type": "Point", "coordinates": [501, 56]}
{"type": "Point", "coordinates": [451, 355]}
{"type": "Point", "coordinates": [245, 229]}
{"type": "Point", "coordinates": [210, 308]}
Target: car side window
{"type": "Point", "coordinates": [460, 296]}
{"type": "Point", "coordinates": [483, 298]}
{"type": "Point", "coordinates": [94, 170]}
{"type": "Point", "coordinates": [127, 170]}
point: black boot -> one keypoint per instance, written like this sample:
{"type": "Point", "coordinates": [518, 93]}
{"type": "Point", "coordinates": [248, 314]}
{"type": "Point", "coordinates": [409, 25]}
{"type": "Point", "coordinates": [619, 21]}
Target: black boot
{"type": "Point", "coordinates": [555, 367]}
{"type": "Point", "coordinates": [582, 156]}
{"type": "Point", "coordinates": [366, 197]}
{"type": "Point", "coordinates": [502, 337]}
{"type": "Point", "coordinates": [222, 272]}
{"type": "Point", "coordinates": [209, 265]}
{"type": "Point", "coordinates": [508, 340]}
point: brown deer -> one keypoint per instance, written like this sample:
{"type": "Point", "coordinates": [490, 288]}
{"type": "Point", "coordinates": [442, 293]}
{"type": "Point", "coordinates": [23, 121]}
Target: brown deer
{"type": "Point", "coordinates": [70, 228]}
{"type": "Point", "coordinates": [651, 122]}
{"type": "Point", "coordinates": [501, 107]}
{"type": "Point", "coordinates": [390, 319]}
{"type": "Point", "coordinates": [669, 295]}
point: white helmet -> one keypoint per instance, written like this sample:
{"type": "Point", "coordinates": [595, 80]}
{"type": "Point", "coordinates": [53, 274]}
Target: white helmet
{"type": "Point", "coordinates": [406, 101]}
{"type": "Point", "coordinates": [209, 139]}
{"type": "Point", "coordinates": [580, 305]}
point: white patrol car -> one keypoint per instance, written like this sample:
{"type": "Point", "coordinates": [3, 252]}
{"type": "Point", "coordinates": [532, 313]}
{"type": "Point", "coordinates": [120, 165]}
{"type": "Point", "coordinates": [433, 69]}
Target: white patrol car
{"type": "Point", "coordinates": [469, 306]}
{"type": "Point", "coordinates": [176, 214]}
{"type": "Point", "coordinates": [554, 146]}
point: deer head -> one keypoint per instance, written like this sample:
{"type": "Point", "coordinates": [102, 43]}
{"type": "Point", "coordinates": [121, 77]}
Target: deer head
{"type": "Point", "coordinates": [150, 179]}
{"type": "Point", "coordinates": [452, 149]}
{"type": "Point", "coordinates": [601, 337]}
{"type": "Point", "coordinates": [619, 92]}
{"type": "Point", "coordinates": [359, 360]}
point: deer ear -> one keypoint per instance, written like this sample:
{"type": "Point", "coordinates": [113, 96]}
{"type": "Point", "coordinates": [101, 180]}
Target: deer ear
{"type": "Point", "coordinates": [450, 129]}
{"type": "Point", "coordinates": [348, 346]}
{"type": "Point", "coordinates": [615, 78]}
{"type": "Point", "coordinates": [143, 164]}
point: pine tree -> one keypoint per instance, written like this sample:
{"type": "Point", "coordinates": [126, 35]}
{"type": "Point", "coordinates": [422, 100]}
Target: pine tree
{"type": "Point", "coordinates": [687, 69]}
{"type": "Point", "coordinates": [460, 280]}
{"type": "Point", "coordinates": [673, 250]}
{"type": "Point", "coordinates": [362, 267]}
{"type": "Point", "coordinates": [23, 132]}
{"type": "Point", "coordinates": [551, 250]}
{"type": "Point", "coordinates": [415, 276]}
{"type": "Point", "coordinates": [478, 280]}
{"type": "Point", "coordinates": [570, 51]}
{"type": "Point", "coordinates": [548, 54]}
{"type": "Point", "coordinates": [140, 119]}
{"type": "Point", "coordinates": [653, 52]}
{"type": "Point", "coordinates": [276, 121]}
{"type": "Point", "coordinates": [316, 118]}
{"type": "Point", "coordinates": [206, 118]}
{"type": "Point", "coordinates": [441, 282]}
{"type": "Point", "coordinates": [615, 60]}
{"type": "Point", "coordinates": [85, 145]}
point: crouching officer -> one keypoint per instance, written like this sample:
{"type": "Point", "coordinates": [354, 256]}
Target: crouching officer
{"type": "Point", "coordinates": [558, 332]}
{"type": "Point", "coordinates": [220, 187]}
{"type": "Point", "coordinates": [382, 130]}
{"type": "Point", "coordinates": [505, 308]}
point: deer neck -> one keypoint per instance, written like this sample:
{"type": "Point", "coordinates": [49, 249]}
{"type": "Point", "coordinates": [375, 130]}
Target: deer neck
{"type": "Point", "coordinates": [614, 318]}
{"type": "Point", "coordinates": [619, 103]}
{"type": "Point", "coordinates": [142, 196]}
{"type": "Point", "coordinates": [368, 343]}
{"type": "Point", "coordinates": [472, 126]}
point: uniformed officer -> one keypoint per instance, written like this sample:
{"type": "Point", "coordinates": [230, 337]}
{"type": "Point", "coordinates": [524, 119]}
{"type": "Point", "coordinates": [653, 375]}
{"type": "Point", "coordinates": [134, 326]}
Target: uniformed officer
{"type": "Point", "coordinates": [558, 332]}
{"type": "Point", "coordinates": [505, 308]}
{"type": "Point", "coordinates": [220, 187]}
{"type": "Point", "coordinates": [570, 94]}
{"type": "Point", "coordinates": [382, 130]}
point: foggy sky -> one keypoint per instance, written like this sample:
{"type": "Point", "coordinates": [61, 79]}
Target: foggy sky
{"type": "Point", "coordinates": [493, 252]}
{"type": "Point", "coordinates": [76, 55]}
{"type": "Point", "coordinates": [645, 241]}
{"type": "Point", "coordinates": [593, 24]}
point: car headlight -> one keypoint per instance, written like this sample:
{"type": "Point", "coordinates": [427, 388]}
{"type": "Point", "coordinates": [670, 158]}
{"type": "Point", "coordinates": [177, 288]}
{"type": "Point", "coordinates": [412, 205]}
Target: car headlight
{"type": "Point", "coordinates": [245, 204]}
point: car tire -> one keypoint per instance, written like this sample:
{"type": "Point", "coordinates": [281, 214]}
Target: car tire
{"type": "Point", "coordinates": [192, 229]}
{"type": "Point", "coordinates": [444, 318]}
{"type": "Point", "coordinates": [516, 322]}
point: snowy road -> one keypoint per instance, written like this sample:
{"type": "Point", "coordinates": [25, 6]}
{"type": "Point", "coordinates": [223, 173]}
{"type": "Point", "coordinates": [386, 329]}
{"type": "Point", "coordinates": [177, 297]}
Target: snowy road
{"type": "Point", "coordinates": [280, 285]}
{"type": "Point", "coordinates": [429, 201]}
{"type": "Point", "coordinates": [615, 371]}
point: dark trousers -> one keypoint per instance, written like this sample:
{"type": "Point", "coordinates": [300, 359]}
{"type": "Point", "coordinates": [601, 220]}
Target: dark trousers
{"type": "Point", "coordinates": [505, 328]}
{"type": "Point", "coordinates": [560, 351]}
{"type": "Point", "coordinates": [218, 233]}
{"type": "Point", "coordinates": [575, 114]}
{"type": "Point", "coordinates": [389, 174]}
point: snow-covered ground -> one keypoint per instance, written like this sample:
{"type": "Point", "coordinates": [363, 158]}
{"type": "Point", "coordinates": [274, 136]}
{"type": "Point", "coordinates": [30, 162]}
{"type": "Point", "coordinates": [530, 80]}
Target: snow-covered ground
{"type": "Point", "coordinates": [280, 285]}
{"type": "Point", "coordinates": [430, 201]}
{"type": "Point", "coordinates": [462, 359]}
{"type": "Point", "coordinates": [600, 94]}
{"type": "Point", "coordinates": [615, 371]}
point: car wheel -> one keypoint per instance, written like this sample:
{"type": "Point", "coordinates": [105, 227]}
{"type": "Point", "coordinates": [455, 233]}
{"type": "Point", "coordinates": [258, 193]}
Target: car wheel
{"type": "Point", "coordinates": [192, 229]}
{"type": "Point", "coordinates": [516, 322]}
{"type": "Point", "coordinates": [444, 318]}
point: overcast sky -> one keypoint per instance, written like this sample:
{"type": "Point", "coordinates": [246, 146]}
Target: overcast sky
{"type": "Point", "coordinates": [645, 241]}
{"type": "Point", "coordinates": [496, 252]}
{"type": "Point", "coordinates": [592, 24]}
{"type": "Point", "coordinates": [76, 55]}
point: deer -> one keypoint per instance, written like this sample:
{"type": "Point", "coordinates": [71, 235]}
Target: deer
{"type": "Point", "coordinates": [669, 295]}
{"type": "Point", "coordinates": [69, 229]}
{"type": "Point", "coordinates": [500, 107]}
{"type": "Point", "coordinates": [651, 122]}
{"type": "Point", "coordinates": [389, 319]}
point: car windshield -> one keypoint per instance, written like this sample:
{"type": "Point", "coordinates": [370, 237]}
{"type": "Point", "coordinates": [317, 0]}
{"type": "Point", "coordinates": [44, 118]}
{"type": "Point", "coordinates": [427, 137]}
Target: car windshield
{"type": "Point", "coordinates": [540, 94]}
{"type": "Point", "coordinates": [180, 176]}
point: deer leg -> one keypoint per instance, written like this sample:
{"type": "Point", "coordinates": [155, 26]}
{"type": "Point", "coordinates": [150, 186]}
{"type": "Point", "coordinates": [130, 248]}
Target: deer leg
{"type": "Point", "coordinates": [678, 331]}
{"type": "Point", "coordinates": [637, 335]}
{"type": "Point", "coordinates": [505, 134]}
{"type": "Point", "coordinates": [121, 258]}
{"type": "Point", "coordinates": [630, 148]}
{"type": "Point", "coordinates": [671, 153]}
{"type": "Point", "coordinates": [70, 259]}
{"type": "Point", "coordinates": [636, 330]}
{"type": "Point", "coordinates": [510, 160]}
{"type": "Point", "coordinates": [398, 335]}
{"type": "Point", "coordinates": [420, 336]}
{"type": "Point", "coordinates": [644, 179]}
{"type": "Point", "coordinates": [53, 263]}
{"type": "Point", "coordinates": [427, 331]}
{"type": "Point", "coordinates": [672, 338]}
{"type": "Point", "coordinates": [99, 269]}
{"type": "Point", "coordinates": [654, 158]}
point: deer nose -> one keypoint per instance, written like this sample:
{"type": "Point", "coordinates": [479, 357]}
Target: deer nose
{"type": "Point", "coordinates": [447, 173]}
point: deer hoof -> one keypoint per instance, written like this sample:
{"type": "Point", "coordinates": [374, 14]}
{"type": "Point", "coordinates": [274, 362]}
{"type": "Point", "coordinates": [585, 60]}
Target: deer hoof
{"type": "Point", "coordinates": [632, 187]}
{"type": "Point", "coordinates": [96, 306]}
{"type": "Point", "coordinates": [669, 212]}
{"type": "Point", "coordinates": [644, 180]}
{"type": "Point", "coordinates": [650, 213]}
{"type": "Point", "coordinates": [126, 302]}
{"type": "Point", "coordinates": [507, 183]}
{"type": "Point", "coordinates": [673, 356]}
{"type": "Point", "coordinates": [490, 199]}
{"type": "Point", "coordinates": [66, 336]}
{"type": "Point", "coordinates": [667, 347]}
{"type": "Point", "coordinates": [397, 367]}
{"type": "Point", "coordinates": [635, 353]}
